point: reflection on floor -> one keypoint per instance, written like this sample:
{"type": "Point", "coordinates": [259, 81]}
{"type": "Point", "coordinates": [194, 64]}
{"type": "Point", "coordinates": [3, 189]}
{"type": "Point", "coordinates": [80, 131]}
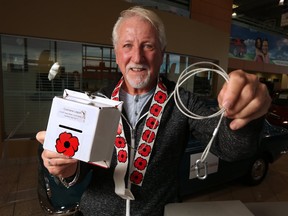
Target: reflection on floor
{"type": "Point", "coordinates": [18, 182]}
{"type": "Point", "coordinates": [273, 188]}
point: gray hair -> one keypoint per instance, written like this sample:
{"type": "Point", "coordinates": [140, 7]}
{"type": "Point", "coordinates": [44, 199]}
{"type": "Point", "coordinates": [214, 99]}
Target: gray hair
{"type": "Point", "coordinates": [147, 15]}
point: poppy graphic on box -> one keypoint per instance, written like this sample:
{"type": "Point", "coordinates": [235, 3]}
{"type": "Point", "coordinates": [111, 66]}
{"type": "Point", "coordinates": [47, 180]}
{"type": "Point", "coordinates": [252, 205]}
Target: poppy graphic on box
{"type": "Point", "coordinates": [67, 144]}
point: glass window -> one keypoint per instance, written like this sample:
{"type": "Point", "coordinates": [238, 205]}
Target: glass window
{"type": "Point", "coordinates": [14, 82]}
{"type": "Point", "coordinates": [69, 56]}
{"type": "Point", "coordinates": [201, 84]}
{"type": "Point", "coordinates": [28, 93]}
{"type": "Point", "coordinates": [99, 67]}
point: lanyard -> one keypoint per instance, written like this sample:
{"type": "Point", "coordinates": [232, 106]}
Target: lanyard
{"type": "Point", "coordinates": [145, 147]}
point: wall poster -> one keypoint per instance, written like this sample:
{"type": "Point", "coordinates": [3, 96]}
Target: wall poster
{"type": "Point", "coordinates": [254, 45]}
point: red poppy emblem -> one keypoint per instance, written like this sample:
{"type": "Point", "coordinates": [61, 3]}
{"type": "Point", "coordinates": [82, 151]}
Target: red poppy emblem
{"type": "Point", "coordinates": [67, 144]}
{"type": "Point", "coordinates": [122, 156]}
{"type": "Point", "coordinates": [160, 97]}
{"type": "Point", "coordinates": [140, 163]}
{"type": "Point", "coordinates": [136, 177]}
{"type": "Point", "coordinates": [155, 109]}
{"type": "Point", "coordinates": [148, 136]}
{"type": "Point", "coordinates": [120, 142]}
{"type": "Point", "coordinates": [144, 150]}
{"type": "Point", "coordinates": [152, 123]}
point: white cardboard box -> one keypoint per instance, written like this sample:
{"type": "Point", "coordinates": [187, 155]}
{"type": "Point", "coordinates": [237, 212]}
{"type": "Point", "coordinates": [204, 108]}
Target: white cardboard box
{"type": "Point", "coordinates": [83, 127]}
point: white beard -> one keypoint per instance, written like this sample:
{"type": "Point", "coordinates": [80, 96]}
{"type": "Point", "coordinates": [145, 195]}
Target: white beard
{"type": "Point", "coordinates": [141, 81]}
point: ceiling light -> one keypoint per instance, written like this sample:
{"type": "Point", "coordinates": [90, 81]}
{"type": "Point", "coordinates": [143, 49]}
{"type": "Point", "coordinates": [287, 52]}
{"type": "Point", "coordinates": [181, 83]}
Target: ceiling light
{"type": "Point", "coordinates": [281, 2]}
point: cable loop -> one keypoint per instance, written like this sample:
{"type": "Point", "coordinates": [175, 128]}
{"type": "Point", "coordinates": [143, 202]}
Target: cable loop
{"type": "Point", "coordinates": [184, 76]}
{"type": "Point", "coordinates": [187, 74]}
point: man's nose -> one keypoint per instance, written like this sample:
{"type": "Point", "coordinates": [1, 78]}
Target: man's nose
{"type": "Point", "coordinates": [137, 54]}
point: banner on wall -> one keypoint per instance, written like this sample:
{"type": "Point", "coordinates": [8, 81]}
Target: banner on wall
{"type": "Point", "coordinates": [253, 45]}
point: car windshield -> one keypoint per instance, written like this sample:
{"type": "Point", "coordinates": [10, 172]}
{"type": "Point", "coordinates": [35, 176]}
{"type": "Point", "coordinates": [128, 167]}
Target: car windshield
{"type": "Point", "coordinates": [281, 98]}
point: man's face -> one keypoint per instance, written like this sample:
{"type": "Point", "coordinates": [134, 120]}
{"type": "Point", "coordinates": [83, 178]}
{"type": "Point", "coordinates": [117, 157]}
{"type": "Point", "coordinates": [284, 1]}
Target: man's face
{"type": "Point", "coordinates": [138, 55]}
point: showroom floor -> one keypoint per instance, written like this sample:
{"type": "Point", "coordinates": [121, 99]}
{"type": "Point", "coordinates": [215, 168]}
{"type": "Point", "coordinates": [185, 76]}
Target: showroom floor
{"type": "Point", "coordinates": [273, 188]}
{"type": "Point", "coordinates": [18, 181]}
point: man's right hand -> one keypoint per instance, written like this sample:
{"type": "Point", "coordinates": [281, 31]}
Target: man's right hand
{"type": "Point", "coordinates": [57, 164]}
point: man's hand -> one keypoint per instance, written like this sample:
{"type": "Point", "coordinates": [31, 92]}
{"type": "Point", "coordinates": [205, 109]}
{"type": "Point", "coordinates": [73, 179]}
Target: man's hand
{"type": "Point", "coordinates": [57, 164]}
{"type": "Point", "coordinates": [244, 98]}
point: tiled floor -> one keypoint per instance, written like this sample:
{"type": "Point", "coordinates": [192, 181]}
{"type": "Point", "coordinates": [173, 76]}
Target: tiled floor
{"type": "Point", "coordinates": [18, 181]}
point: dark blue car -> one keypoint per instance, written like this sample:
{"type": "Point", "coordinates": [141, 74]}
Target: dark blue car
{"type": "Point", "coordinates": [253, 171]}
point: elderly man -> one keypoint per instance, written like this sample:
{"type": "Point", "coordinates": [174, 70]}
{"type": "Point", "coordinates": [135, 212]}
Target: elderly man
{"type": "Point", "coordinates": [153, 132]}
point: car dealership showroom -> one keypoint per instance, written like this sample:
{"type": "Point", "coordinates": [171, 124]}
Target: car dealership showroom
{"type": "Point", "coordinates": [55, 57]}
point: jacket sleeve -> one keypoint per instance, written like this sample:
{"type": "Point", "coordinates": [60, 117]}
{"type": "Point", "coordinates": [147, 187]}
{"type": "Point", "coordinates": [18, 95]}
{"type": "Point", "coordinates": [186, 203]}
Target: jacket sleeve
{"type": "Point", "coordinates": [229, 145]}
{"type": "Point", "coordinates": [240, 144]}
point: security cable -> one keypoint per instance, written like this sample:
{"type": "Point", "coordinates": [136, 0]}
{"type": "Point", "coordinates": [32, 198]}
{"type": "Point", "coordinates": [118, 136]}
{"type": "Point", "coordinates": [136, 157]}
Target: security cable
{"type": "Point", "coordinates": [189, 72]}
